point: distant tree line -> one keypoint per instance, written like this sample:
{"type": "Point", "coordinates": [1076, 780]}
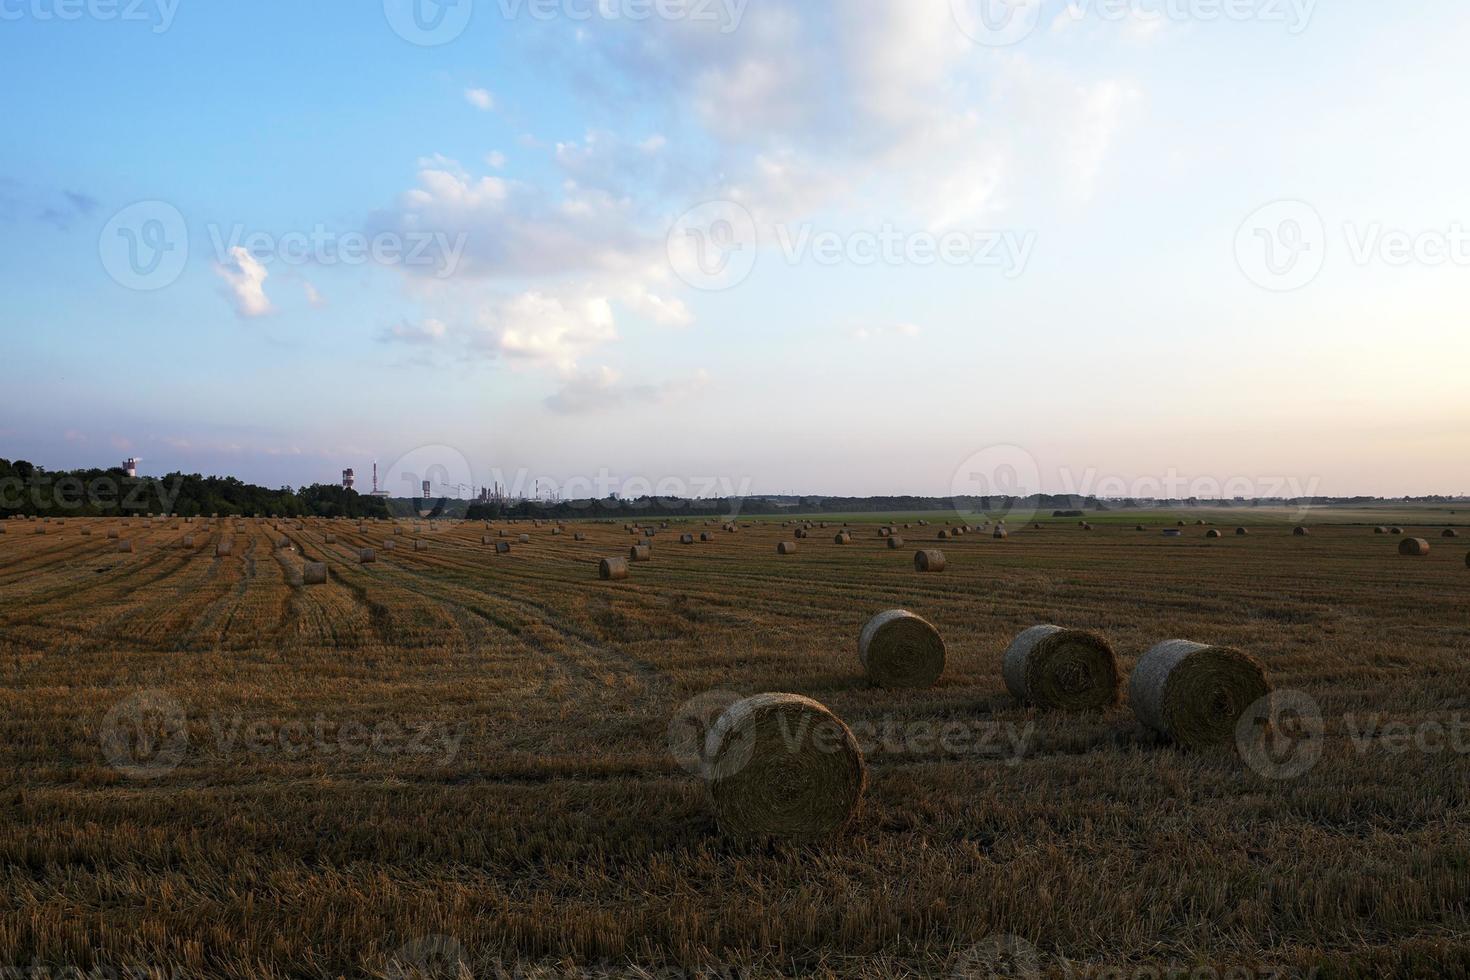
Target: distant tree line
{"type": "Point", "coordinates": [615, 508]}
{"type": "Point", "coordinates": [33, 491]}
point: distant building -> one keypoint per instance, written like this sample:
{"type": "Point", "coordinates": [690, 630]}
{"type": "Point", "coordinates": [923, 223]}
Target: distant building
{"type": "Point", "coordinates": [130, 466]}
{"type": "Point", "coordinates": [349, 479]}
{"type": "Point", "coordinates": [427, 490]}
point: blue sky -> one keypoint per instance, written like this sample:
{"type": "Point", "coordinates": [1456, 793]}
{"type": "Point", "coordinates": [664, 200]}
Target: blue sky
{"type": "Point", "coordinates": [1111, 310]}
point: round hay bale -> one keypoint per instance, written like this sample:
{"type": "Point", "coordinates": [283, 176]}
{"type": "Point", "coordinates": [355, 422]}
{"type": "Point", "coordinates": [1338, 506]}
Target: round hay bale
{"type": "Point", "coordinates": [1173, 532]}
{"type": "Point", "coordinates": [366, 556]}
{"type": "Point", "coordinates": [1241, 532]}
{"type": "Point", "coordinates": [524, 539]}
{"type": "Point", "coordinates": [1213, 533]}
{"type": "Point", "coordinates": [929, 560]}
{"type": "Point", "coordinates": [764, 783]}
{"type": "Point", "coordinates": [1140, 527]}
{"type": "Point", "coordinates": [1087, 527]}
{"type": "Point", "coordinates": [223, 549]}
{"type": "Point", "coordinates": [1000, 534]}
{"type": "Point", "coordinates": [579, 536]}
{"type": "Point", "coordinates": [706, 536]}
{"type": "Point", "coordinates": [112, 534]}
{"type": "Point", "coordinates": [800, 533]}
{"type": "Point", "coordinates": [612, 569]}
{"type": "Point", "coordinates": [398, 530]}
{"type": "Point", "coordinates": [943, 536]}
{"type": "Point", "coordinates": [330, 539]}
{"type": "Point", "coordinates": [1052, 667]}
{"type": "Point", "coordinates": [1414, 547]}
{"type": "Point", "coordinates": [389, 545]}
{"type": "Point", "coordinates": [314, 573]}
{"type": "Point", "coordinates": [786, 548]}
{"type": "Point", "coordinates": [640, 552]}
{"type": "Point", "coordinates": [421, 545]}
{"type": "Point", "coordinates": [502, 547]}
{"type": "Point", "coordinates": [895, 542]}
{"type": "Point", "coordinates": [486, 539]}
{"type": "Point", "coordinates": [1300, 532]}
{"type": "Point", "coordinates": [283, 542]}
{"type": "Point", "coordinates": [842, 537]}
{"type": "Point", "coordinates": [1450, 533]}
{"type": "Point", "coordinates": [1193, 693]}
{"type": "Point", "coordinates": [900, 649]}
{"type": "Point", "coordinates": [1395, 530]}
{"type": "Point", "coordinates": [126, 547]}
{"type": "Point", "coordinates": [1380, 530]}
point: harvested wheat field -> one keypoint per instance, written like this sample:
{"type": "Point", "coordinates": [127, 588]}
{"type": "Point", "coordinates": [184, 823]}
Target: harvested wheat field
{"type": "Point", "coordinates": [493, 758]}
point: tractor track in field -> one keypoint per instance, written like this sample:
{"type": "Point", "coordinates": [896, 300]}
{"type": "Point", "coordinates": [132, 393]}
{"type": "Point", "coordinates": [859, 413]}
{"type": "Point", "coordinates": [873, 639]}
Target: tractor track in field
{"type": "Point", "coordinates": [582, 656]}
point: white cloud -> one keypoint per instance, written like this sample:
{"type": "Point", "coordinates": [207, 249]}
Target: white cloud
{"type": "Point", "coordinates": [859, 114]}
{"type": "Point", "coordinates": [480, 98]}
{"type": "Point", "coordinates": [516, 229]}
{"type": "Point", "coordinates": [664, 310]}
{"type": "Point", "coordinates": [246, 278]}
{"type": "Point", "coordinates": [313, 297]}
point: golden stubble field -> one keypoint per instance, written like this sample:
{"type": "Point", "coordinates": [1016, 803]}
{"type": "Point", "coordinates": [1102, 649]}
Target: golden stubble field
{"type": "Point", "coordinates": [453, 762]}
